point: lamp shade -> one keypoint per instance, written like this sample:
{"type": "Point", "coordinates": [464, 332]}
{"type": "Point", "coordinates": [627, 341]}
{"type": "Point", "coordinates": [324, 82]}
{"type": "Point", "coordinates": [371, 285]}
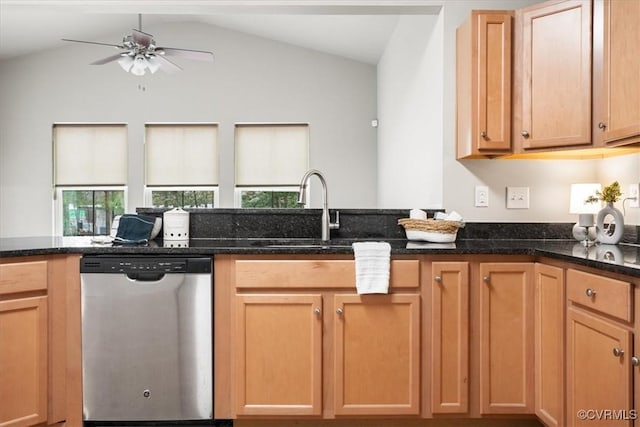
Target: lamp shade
{"type": "Point", "coordinates": [579, 195]}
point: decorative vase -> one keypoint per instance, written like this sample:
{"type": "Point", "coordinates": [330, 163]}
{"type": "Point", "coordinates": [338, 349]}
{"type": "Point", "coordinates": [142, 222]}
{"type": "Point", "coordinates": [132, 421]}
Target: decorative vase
{"type": "Point", "coordinates": [614, 232]}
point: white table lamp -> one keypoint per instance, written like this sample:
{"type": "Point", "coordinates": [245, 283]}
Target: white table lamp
{"type": "Point", "coordinates": [584, 230]}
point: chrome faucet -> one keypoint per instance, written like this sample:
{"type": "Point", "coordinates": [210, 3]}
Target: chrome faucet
{"type": "Point", "coordinates": [326, 220]}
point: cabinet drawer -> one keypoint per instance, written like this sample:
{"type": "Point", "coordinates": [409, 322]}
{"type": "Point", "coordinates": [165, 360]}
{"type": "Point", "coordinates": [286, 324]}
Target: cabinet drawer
{"type": "Point", "coordinates": [609, 296]}
{"type": "Point", "coordinates": [316, 273]}
{"type": "Point", "coordinates": [23, 277]}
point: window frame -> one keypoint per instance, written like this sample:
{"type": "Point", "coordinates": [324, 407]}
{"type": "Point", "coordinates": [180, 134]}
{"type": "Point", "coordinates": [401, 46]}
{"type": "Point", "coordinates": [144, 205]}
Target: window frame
{"type": "Point", "coordinates": [148, 199]}
{"type": "Point", "coordinates": [58, 215]}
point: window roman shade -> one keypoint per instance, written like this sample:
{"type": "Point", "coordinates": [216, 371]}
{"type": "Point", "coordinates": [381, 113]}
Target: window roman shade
{"type": "Point", "coordinates": [271, 154]}
{"type": "Point", "coordinates": [90, 154]}
{"type": "Point", "coordinates": [181, 154]}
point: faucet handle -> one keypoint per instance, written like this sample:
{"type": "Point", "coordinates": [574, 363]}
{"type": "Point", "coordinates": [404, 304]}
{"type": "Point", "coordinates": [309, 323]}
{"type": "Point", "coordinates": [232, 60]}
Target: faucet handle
{"type": "Point", "coordinates": [335, 225]}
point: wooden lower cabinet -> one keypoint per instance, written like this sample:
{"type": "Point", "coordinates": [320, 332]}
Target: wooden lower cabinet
{"type": "Point", "coordinates": [279, 348]}
{"type": "Point", "coordinates": [377, 354]}
{"type": "Point", "coordinates": [39, 358]}
{"type": "Point", "coordinates": [599, 376]}
{"type": "Point", "coordinates": [549, 303]}
{"type": "Point", "coordinates": [449, 337]}
{"type": "Point", "coordinates": [506, 338]}
{"type": "Point", "coordinates": [23, 361]}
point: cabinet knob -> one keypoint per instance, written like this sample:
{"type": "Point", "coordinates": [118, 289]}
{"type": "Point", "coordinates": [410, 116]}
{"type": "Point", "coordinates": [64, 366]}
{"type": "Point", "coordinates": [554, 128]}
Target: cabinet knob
{"type": "Point", "coordinates": [438, 278]}
{"type": "Point", "coordinates": [602, 126]}
{"type": "Point", "coordinates": [635, 361]}
{"type": "Point", "coordinates": [525, 134]}
{"type": "Point", "coordinates": [340, 311]}
{"type": "Point", "coordinates": [485, 279]}
{"type": "Point", "coordinates": [483, 134]}
{"type": "Point", "coordinates": [618, 352]}
{"type": "Point", "coordinates": [590, 292]}
{"type": "Point", "coordinates": [316, 311]}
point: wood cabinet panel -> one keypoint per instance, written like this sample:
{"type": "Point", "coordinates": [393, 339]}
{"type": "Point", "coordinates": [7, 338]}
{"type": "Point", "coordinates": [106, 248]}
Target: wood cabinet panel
{"type": "Point", "coordinates": [23, 276]}
{"type": "Point", "coordinates": [554, 76]}
{"type": "Point", "coordinates": [377, 354]}
{"type": "Point", "coordinates": [483, 74]}
{"type": "Point", "coordinates": [450, 337]}
{"type": "Point", "coordinates": [616, 70]}
{"type": "Point", "coordinates": [597, 378]}
{"type": "Point", "coordinates": [279, 349]}
{"type": "Point", "coordinates": [23, 361]}
{"type": "Point", "coordinates": [549, 325]}
{"type": "Point", "coordinates": [604, 294]}
{"type": "Point", "coordinates": [506, 338]}
{"type": "Point", "coordinates": [316, 273]}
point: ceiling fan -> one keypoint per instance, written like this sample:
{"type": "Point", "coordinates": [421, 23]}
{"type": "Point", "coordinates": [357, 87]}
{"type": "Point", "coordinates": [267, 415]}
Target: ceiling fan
{"type": "Point", "coordinates": [139, 53]}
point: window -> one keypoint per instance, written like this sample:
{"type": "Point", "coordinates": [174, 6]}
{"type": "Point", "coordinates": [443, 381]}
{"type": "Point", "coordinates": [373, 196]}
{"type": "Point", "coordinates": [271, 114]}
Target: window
{"type": "Point", "coordinates": [90, 176]}
{"type": "Point", "coordinates": [270, 161]}
{"type": "Point", "coordinates": [181, 165]}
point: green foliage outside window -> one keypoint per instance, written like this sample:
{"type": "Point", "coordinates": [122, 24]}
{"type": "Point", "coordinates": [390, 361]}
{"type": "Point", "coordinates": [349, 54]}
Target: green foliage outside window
{"type": "Point", "coordinates": [270, 199]}
{"type": "Point", "coordinates": [182, 199]}
{"type": "Point", "coordinates": [90, 212]}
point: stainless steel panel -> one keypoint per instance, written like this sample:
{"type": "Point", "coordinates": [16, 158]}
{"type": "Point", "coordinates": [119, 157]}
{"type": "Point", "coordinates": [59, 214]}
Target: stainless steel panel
{"type": "Point", "coordinates": [147, 347]}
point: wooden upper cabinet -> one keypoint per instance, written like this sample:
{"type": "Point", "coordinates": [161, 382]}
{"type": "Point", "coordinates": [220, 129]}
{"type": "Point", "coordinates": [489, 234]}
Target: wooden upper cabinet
{"type": "Point", "coordinates": [616, 67]}
{"type": "Point", "coordinates": [483, 74]}
{"type": "Point", "coordinates": [552, 94]}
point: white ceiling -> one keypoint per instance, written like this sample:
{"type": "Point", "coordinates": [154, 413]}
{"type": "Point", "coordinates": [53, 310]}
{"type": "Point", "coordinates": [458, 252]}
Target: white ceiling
{"type": "Point", "coordinates": [356, 29]}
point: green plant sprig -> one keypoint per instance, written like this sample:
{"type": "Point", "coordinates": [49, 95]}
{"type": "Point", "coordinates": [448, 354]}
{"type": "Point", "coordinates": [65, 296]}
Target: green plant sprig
{"type": "Point", "coordinates": [610, 193]}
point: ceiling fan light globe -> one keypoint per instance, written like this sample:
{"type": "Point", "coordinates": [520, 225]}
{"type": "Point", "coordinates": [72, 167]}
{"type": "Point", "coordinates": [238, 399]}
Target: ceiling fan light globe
{"type": "Point", "coordinates": [126, 62]}
{"type": "Point", "coordinates": [153, 64]}
{"type": "Point", "coordinates": [140, 65]}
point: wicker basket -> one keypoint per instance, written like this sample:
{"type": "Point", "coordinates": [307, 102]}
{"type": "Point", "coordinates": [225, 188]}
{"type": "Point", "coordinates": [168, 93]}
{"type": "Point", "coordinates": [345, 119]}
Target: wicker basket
{"type": "Point", "coordinates": [431, 230]}
{"type": "Point", "coordinates": [432, 225]}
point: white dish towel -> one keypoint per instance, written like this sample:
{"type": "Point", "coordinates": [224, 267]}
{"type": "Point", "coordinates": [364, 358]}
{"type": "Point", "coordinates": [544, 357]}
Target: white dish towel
{"type": "Point", "coordinates": [372, 267]}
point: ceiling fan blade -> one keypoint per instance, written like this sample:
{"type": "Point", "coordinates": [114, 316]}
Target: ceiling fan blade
{"type": "Point", "coordinates": [198, 55]}
{"type": "Point", "coordinates": [167, 65]}
{"type": "Point", "coordinates": [107, 59]}
{"type": "Point", "coordinates": [101, 44]}
{"type": "Point", "coordinates": [142, 38]}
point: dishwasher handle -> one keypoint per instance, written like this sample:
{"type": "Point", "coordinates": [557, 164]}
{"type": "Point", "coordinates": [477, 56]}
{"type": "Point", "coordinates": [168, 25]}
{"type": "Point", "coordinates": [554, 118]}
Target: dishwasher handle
{"type": "Point", "coordinates": [146, 276]}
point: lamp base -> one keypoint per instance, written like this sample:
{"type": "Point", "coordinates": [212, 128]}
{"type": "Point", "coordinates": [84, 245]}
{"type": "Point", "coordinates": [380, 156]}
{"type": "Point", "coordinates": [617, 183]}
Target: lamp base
{"type": "Point", "coordinates": [586, 235]}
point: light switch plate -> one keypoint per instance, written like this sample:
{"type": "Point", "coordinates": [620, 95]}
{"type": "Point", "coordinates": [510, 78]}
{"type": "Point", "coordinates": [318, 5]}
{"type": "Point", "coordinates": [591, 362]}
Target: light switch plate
{"type": "Point", "coordinates": [517, 197]}
{"type": "Point", "coordinates": [482, 196]}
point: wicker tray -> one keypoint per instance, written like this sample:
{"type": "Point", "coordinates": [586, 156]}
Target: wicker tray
{"type": "Point", "coordinates": [431, 230]}
{"type": "Point", "coordinates": [432, 225]}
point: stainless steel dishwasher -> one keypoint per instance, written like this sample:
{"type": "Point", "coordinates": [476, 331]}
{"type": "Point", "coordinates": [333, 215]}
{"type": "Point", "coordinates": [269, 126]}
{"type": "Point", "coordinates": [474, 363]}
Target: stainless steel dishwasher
{"type": "Point", "coordinates": [146, 339]}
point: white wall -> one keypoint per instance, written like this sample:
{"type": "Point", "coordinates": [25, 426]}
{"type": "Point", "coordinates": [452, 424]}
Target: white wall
{"type": "Point", "coordinates": [410, 112]}
{"type": "Point", "coordinates": [251, 80]}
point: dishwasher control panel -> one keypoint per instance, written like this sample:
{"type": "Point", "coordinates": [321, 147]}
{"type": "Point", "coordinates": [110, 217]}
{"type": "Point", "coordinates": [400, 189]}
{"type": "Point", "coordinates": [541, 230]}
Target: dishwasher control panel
{"type": "Point", "coordinates": [152, 264]}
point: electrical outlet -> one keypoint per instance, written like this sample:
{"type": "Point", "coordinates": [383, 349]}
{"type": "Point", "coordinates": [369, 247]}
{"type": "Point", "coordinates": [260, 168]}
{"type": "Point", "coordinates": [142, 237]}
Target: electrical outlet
{"type": "Point", "coordinates": [482, 196]}
{"type": "Point", "coordinates": [634, 191]}
{"type": "Point", "coordinates": [517, 197]}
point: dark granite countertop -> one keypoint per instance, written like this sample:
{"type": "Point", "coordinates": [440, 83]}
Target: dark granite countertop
{"type": "Point", "coordinates": [622, 258]}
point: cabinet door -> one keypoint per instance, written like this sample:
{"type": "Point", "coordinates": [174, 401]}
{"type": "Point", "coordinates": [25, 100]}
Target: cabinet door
{"type": "Point", "coordinates": [450, 339]}
{"type": "Point", "coordinates": [23, 362]}
{"type": "Point", "coordinates": [598, 372]}
{"type": "Point", "coordinates": [506, 338]}
{"type": "Point", "coordinates": [555, 75]}
{"type": "Point", "coordinates": [483, 73]}
{"type": "Point", "coordinates": [616, 69]}
{"type": "Point", "coordinates": [278, 354]}
{"type": "Point", "coordinates": [549, 326]}
{"type": "Point", "coordinates": [377, 354]}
